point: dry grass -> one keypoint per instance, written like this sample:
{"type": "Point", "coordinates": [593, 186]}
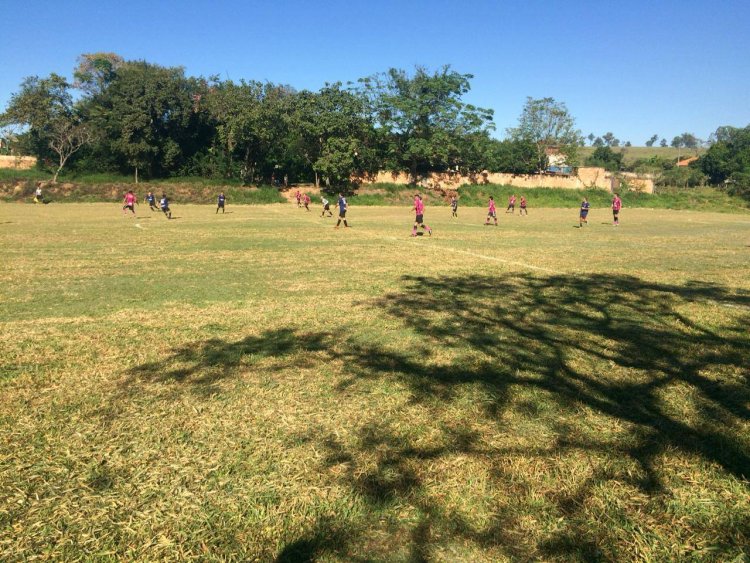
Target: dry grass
{"type": "Point", "coordinates": [260, 386]}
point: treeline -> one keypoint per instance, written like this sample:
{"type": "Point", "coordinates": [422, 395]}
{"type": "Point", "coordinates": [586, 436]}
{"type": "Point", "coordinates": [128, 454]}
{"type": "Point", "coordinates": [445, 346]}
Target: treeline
{"type": "Point", "coordinates": [139, 118]}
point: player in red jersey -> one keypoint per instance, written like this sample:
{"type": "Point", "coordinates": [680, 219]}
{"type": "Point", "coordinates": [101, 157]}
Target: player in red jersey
{"type": "Point", "coordinates": [419, 218]}
{"type": "Point", "coordinates": [511, 204]}
{"type": "Point", "coordinates": [129, 202]}
{"type": "Point", "coordinates": [616, 206]}
{"type": "Point", "coordinates": [491, 211]}
{"type": "Point", "coordinates": [523, 210]}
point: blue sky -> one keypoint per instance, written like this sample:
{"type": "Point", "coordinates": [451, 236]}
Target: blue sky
{"type": "Point", "coordinates": [632, 67]}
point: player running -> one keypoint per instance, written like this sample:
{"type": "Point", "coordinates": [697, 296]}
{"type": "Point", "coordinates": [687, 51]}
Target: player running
{"type": "Point", "coordinates": [164, 204]}
{"type": "Point", "coordinates": [616, 206]}
{"type": "Point", "coordinates": [454, 206]}
{"type": "Point", "coordinates": [523, 210]}
{"type": "Point", "coordinates": [419, 218]}
{"type": "Point", "coordinates": [306, 201]}
{"type": "Point", "coordinates": [491, 211]}
{"type": "Point", "coordinates": [220, 202]}
{"type": "Point", "coordinates": [583, 217]}
{"type": "Point", "coordinates": [129, 203]}
{"type": "Point", "coordinates": [151, 200]}
{"type": "Point", "coordinates": [326, 207]}
{"type": "Point", "coordinates": [298, 195]}
{"type": "Point", "coordinates": [343, 206]}
{"type": "Point", "coordinates": [511, 204]}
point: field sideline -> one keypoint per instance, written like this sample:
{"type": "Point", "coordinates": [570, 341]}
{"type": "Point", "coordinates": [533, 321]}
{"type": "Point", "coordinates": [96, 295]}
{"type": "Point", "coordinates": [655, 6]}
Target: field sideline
{"type": "Point", "coordinates": [260, 386]}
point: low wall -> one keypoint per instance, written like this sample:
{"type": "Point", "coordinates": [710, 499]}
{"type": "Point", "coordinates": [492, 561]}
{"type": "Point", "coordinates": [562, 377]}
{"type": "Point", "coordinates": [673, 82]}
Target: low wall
{"type": "Point", "coordinates": [586, 177]}
{"type": "Point", "coordinates": [17, 162]}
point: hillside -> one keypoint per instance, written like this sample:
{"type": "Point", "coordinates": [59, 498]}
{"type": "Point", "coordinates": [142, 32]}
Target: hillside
{"type": "Point", "coordinates": [635, 153]}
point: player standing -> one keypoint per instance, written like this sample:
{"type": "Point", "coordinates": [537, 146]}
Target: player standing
{"type": "Point", "coordinates": [299, 198]}
{"type": "Point", "coordinates": [220, 202]}
{"type": "Point", "coordinates": [342, 211]}
{"type": "Point", "coordinates": [419, 218]}
{"type": "Point", "coordinates": [38, 198]}
{"type": "Point", "coordinates": [523, 210]}
{"type": "Point", "coordinates": [306, 201]}
{"type": "Point", "coordinates": [326, 207]}
{"type": "Point", "coordinates": [511, 204]}
{"type": "Point", "coordinates": [129, 203]}
{"type": "Point", "coordinates": [454, 205]}
{"type": "Point", "coordinates": [491, 211]}
{"type": "Point", "coordinates": [616, 206]}
{"type": "Point", "coordinates": [583, 217]}
{"type": "Point", "coordinates": [164, 204]}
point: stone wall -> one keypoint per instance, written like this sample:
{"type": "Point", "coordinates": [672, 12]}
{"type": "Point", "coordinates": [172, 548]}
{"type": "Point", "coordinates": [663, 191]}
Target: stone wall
{"type": "Point", "coordinates": [586, 177]}
{"type": "Point", "coordinates": [17, 162]}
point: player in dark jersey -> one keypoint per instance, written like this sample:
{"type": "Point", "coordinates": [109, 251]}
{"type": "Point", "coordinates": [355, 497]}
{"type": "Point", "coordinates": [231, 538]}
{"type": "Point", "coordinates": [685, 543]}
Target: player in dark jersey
{"type": "Point", "coordinates": [220, 202]}
{"type": "Point", "coordinates": [343, 206]}
{"type": "Point", "coordinates": [583, 217]}
{"type": "Point", "coordinates": [164, 204]}
{"type": "Point", "coordinates": [151, 200]}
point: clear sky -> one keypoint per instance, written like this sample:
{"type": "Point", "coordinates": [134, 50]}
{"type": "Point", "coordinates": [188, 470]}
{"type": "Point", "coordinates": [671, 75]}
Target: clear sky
{"type": "Point", "coordinates": [631, 67]}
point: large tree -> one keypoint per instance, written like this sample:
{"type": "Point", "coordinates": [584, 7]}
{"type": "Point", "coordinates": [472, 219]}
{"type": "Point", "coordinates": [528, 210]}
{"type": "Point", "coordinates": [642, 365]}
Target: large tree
{"type": "Point", "coordinates": [423, 118]}
{"type": "Point", "coordinates": [46, 107]}
{"type": "Point", "coordinates": [147, 117]}
{"type": "Point", "coordinates": [548, 123]}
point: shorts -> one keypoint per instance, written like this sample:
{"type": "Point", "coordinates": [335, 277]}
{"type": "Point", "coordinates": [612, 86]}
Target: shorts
{"type": "Point", "coordinates": [419, 219]}
{"type": "Point", "coordinates": [165, 209]}
{"type": "Point", "coordinates": [584, 214]}
{"type": "Point", "coordinates": [511, 206]}
{"type": "Point", "coordinates": [326, 207]}
{"type": "Point", "coordinates": [492, 214]}
{"type": "Point", "coordinates": [615, 212]}
{"type": "Point", "coordinates": [131, 207]}
{"type": "Point", "coordinates": [221, 205]}
{"type": "Point", "coordinates": [342, 214]}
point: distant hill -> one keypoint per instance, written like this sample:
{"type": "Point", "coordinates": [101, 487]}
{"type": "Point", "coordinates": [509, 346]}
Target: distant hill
{"type": "Point", "coordinates": [634, 153]}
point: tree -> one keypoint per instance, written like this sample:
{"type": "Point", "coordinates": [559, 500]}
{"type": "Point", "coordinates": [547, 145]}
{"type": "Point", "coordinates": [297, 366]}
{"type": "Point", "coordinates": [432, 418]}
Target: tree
{"type": "Point", "coordinates": [591, 138]}
{"type": "Point", "coordinates": [628, 144]}
{"type": "Point", "coordinates": [652, 140]}
{"type": "Point", "coordinates": [605, 157]}
{"type": "Point", "coordinates": [663, 142]}
{"type": "Point", "coordinates": [547, 123]}
{"type": "Point", "coordinates": [147, 117]}
{"type": "Point", "coordinates": [46, 107]}
{"type": "Point", "coordinates": [728, 160]}
{"type": "Point", "coordinates": [598, 142]}
{"type": "Point", "coordinates": [95, 71]}
{"type": "Point", "coordinates": [422, 118]}
{"type": "Point", "coordinates": [333, 133]}
{"type": "Point", "coordinates": [610, 140]}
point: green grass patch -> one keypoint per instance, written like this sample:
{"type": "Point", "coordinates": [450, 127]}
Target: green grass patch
{"type": "Point", "coordinates": [258, 385]}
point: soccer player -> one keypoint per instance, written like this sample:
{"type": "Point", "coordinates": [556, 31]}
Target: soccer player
{"type": "Point", "coordinates": [523, 210]}
{"type": "Point", "coordinates": [306, 201]}
{"type": "Point", "coordinates": [419, 218]}
{"type": "Point", "coordinates": [38, 193]}
{"type": "Point", "coordinates": [326, 207]}
{"type": "Point", "coordinates": [491, 211]}
{"type": "Point", "coordinates": [511, 204]}
{"type": "Point", "coordinates": [342, 211]}
{"type": "Point", "coordinates": [151, 200]}
{"type": "Point", "coordinates": [616, 206]}
{"type": "Point", "coordinates": [299, 198]}
{"type": "Point", "coordinates": [164, 204]}
{"type": "Point", "coordinates": [454, 205]}
{"type": "Point", "coordinates": [129, 203]}
{"type": "Point", "coordinates": [583, 218]}
{"type": "Point", "coordinates": [220, 202]}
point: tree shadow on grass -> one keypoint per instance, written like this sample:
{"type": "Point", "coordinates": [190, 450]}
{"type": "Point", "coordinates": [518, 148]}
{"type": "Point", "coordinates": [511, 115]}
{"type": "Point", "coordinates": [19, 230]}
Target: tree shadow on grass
{"type": "Point", "coordinates": [205, 363]}
{"type": "Point", "coordinates": [630, 354]}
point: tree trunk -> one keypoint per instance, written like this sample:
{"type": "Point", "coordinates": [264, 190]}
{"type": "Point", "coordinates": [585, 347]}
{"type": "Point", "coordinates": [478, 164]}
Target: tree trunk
{"type": "Point", "coordinates": [136, 174]}
{"type": "Point", "coordinates": [317, 180]}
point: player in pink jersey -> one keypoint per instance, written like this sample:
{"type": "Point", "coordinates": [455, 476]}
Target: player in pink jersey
{"type": "Point", "coordinates": [306, 201]}
{"type": "Point", "coordinates": [491, 211]}
{"type": "Point", "coordinates": [129, 203]}
{"type": "Point", "coordinates": [616, 206]}
{"type": "Point", "coordinates": [298, 195]}
{"type": "Point", "coordinates": [523, 210]}
{"type": "Point", "coordinates": [511, 204]}
{"type": "Point", "coordinates": [419, 219]}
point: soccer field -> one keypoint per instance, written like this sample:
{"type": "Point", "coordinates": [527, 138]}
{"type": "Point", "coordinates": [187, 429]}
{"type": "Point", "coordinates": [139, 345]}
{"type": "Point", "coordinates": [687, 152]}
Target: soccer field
{"type": "Point", "coordinates": [258, 385]}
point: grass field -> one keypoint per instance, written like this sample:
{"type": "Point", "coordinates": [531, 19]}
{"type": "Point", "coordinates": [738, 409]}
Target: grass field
{"type": "Point", "coordinates": [261, 386]}
{"type": "Point", "coordinates": [631, 154]}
